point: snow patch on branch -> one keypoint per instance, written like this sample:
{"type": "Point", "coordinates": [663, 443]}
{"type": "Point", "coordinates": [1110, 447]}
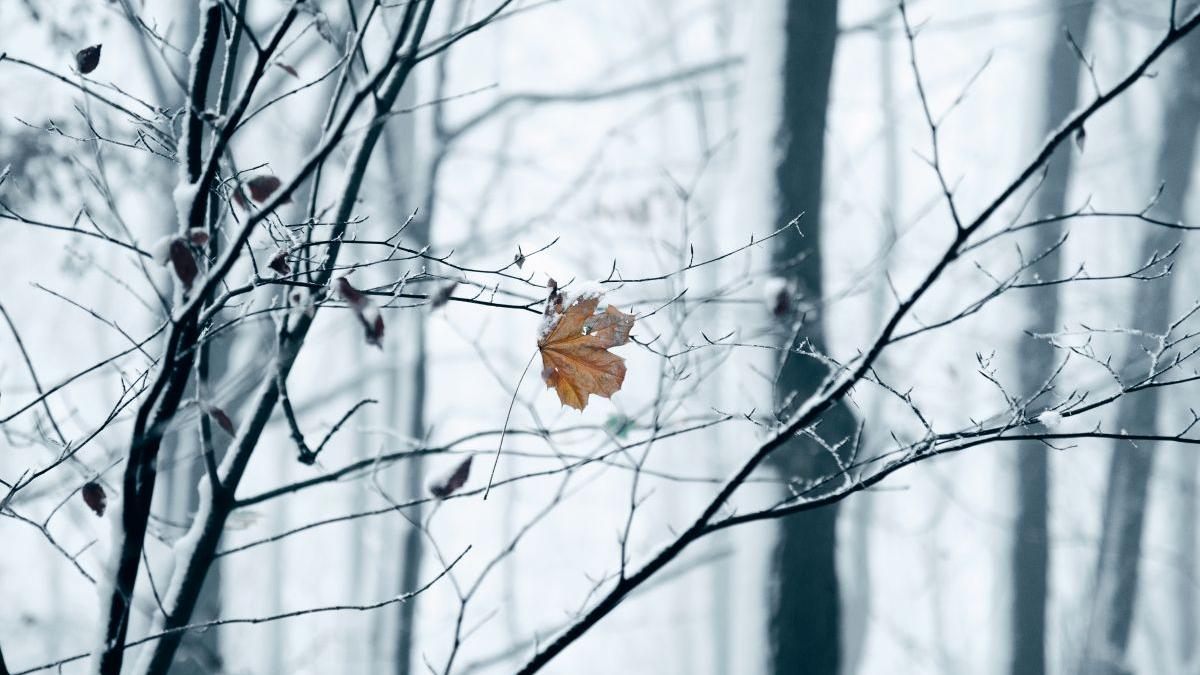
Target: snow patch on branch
{"type": "Point", "coordinates": [182, 553]}
{"type": "Point", "coordinates": [184, 195]}
{"type": "Point", "coordinates": [1051, 419]}
{"type": "Point", "coordinates": [106, 576]}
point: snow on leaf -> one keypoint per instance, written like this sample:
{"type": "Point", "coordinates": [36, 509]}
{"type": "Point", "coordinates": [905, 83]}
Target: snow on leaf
{"type": "Point", "coordinates": [364, 308]}
{"type": "Point", "coordinates": [453, 482]}
{"type": "Point", "coordinates": [87, 59]}
{"type": "Point", "coordinates": [279, 263]}
{"type": "Point", "coordinates": [94, 497]}
{"type": "Point", "coordinates": [574, 346]}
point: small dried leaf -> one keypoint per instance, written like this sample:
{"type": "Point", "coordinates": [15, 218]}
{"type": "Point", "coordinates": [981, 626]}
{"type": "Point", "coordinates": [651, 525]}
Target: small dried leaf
{"type": "Point", "coordinates": [220, 417]}
{"type": "Point", "coordinates": [94, 497]}
{"type": "Point", "coordinates": [777, 293]}
{"type": "Point", "coordinates": [574, 347]}
{"type": "Point", "coordinates": [453, 482]}
{"type": "Point", "coordinates": [87, 59]}
{"type": "Point", "coordinates": [519, 258]}
{"type": "Point", "coordinates": [782, 305]}
{"type": "Point", "coordinates": [183, 262]}
{"type": "Point", "coordinates": [239, 198]}
{"type": "Point", "coordinates": [442, 295]}
{"type": "Point", "coordinates": [288, 69]}
{"type": "Point", "coordinates": [262, 187]}
{"type": "Point", "coordinates": [198, 236]}
{"type": "Point", "coordinates": [324, 30]}
{"type": "Point", "coordinates": [279, 264]}
{"type": "Point", "coordinates": [368, 314]}
{"type": "Point", "coordinates": [1080, 139]}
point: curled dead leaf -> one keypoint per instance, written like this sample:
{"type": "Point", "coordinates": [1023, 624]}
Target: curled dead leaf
{"type": "Point", "coordinates": [453, 482]}
{"type": "Point", "coordinates": [279, 263]}
{"type": "Point", "coordinates": [442, 295]}
{"type": "Point", "coordinates": [87, 59]}
{"type": "Point", "coordinates": [220, 417]}
{"type": "Point", "coordinates": [183, 262]}
{"type": "Point", "coordinates": [574, 345]}
{"type": "Point", "coordinates": [94, 497]}
{"type": "Point", "coordinates": [198, 236]}
{"type": "Point", "coordinates": [262, 187]}
{"type": "Point", "coordinates": [364, 308]}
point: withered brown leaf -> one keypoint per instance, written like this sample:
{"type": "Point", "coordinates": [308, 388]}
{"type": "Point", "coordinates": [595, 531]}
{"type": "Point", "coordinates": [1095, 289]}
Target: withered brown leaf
{"type": "Point", "coordinates": [364, 308]}
{"type": "Point", "coordinates": [453, 482]}
{"type": "Point", "coordinates": [94, 497]}
{"type": "Point", "coordinates": [183, 262]}
{"type": "Point", "coordinates": [87, 59]}
{"type": "Point", "coordinates": [262, 187]}
{"type": "Point", "coordinates": [574, 347]}
{"type": "Point", "coordinates": [279, 263]}
{"type": "Point", "coordinates": [220, 417]}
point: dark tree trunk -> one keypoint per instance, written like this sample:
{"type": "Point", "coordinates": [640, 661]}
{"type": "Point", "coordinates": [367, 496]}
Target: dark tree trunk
{"type": "Point", "coordinates": [805, 617]}
{"type": "Point", "coordinates": [1031, 545]}
{"type": "Point", "coordinates": [1117, 567]}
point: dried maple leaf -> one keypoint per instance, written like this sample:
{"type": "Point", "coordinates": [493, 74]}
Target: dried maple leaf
{"type": "Point", "coordinates": [574, 346]}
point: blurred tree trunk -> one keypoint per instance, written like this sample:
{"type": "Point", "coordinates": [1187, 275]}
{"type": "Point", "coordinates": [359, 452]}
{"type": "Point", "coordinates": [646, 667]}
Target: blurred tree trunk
{"type": "Point", "coordinates": [1031, 544]}
{"type": "Point", "coordinates": [409, 389]}
{"type": "Point", "coordinates": [1184, 595]}
{"type": "Point", "coordinates": [1117, 567]}
{"type": "Point", "coordinates": [856, 595]}
{"type": "Point", "coordinates": [804, 623]}
{"type": "Point", "coordinates": [721, 635]}
{"type": "Point", "coordinates": [200, 652]}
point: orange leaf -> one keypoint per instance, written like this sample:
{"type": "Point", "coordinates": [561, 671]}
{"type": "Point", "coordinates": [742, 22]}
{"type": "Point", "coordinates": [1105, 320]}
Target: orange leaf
{"type": "Point", "coordinates": [574, 346]}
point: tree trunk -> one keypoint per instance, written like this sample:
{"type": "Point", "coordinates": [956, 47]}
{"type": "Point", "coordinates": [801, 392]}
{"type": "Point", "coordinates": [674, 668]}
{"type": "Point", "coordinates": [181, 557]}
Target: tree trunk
{"type": "Point", "coordinates": [856, 595]}
{"type": "Point", "coordinates": [412, 390]}
{"type": "Point", "coordinates": [1031, 546]}
{"type": "Point", "coordinates": [804, 624]}
{"type": "Point", "coordinates": [1117, 567]}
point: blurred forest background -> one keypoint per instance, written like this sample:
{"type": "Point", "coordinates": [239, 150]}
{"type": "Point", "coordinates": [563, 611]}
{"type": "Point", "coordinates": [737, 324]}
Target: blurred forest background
{"type": "Point", "coordinates": [762, 184]}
